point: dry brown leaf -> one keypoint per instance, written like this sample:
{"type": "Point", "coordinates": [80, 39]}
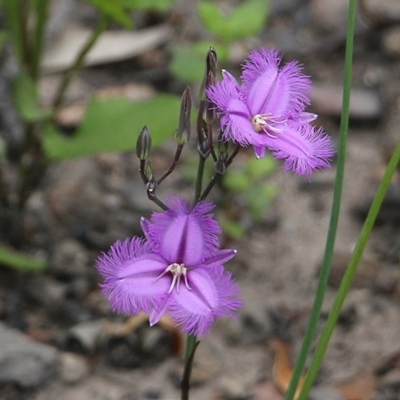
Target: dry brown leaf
{"type": "Point", "coordinates": [112, 46]}
{"type": "Point", "coordinates": [359, 387]}
{"type": "Point", "coordinates": [134, 322]}
{"type": "Point", "coordinates": [282, 370]}
{"type": "Point", "coordinates": [267, 391]}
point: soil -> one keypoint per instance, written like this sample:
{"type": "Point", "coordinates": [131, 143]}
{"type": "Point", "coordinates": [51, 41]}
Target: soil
{"type": "Point", "coordinates": [82, 206]}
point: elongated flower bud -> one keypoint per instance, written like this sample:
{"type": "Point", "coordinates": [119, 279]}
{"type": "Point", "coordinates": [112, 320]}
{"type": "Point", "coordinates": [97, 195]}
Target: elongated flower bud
{"type": "Point", "coordinates": [211, 66]}
{"type": "Point", "coordinates": [143, 144]}
{"type": "Point", "coordinates": [209, 107]}
{"type": "Point", "coordinates": [183, 131]}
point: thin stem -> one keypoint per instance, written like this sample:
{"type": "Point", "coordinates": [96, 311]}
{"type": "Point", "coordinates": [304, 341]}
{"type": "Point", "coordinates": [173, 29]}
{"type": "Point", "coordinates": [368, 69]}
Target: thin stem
{"type": "Point", "coordinates": [350, 273]}
{"type": "Point", "coordinates": [199, 179]}
{"type": "Point", "coordinates": [153, 197]}
{"type": "Point", "coordinates": [41, 16]}
{"type": "Point", "coordinates": [191, 346]}
{"type": "Point", "coordinates": [142, 172]}
{"type": "Point", "coordinates": [171, 168]}
{"type": "Point", "coordinates": [69, 74]}
{"type": "Point", "coordinates": [337, 194]}
{"type": "Point", "coordinates": [210, 142]}
{"type": "Point", "coordinates": [207, 190]}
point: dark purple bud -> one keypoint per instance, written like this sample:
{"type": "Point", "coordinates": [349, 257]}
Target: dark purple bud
{"type": "Point", "coordinates": [149, 172]}
{"type": "Point", "coordinates": [211, 66]}
{"type": "Point", "coordinates": [209, 108]}
{"type": "Point", "coordinates": [222, 146]}
{"type": "Point", "coordinates": [203, 146]}
{"type": "Point", "coordinates": [183, 131]}
{"type": "Point", "coordinates": [220, 167]}
{"type": "Point", "coordinates": [143, 144]}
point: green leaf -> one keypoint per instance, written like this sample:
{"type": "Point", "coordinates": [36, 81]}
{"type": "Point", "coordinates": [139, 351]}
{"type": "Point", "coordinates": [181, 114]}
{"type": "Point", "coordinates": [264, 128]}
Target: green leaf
{"type": "Point", "coordinates": [259, 168]}
{"type": "Point", "coordinates": [156, 5]}
{"type": "Point", "coordinates": [260, 198]}
{"type": "Point", "coordinates": [3, 39]}
{"type": "Point", "coordinates": [113, 125]}
{"type": "Point", "coordinates": [188, 63]}
{"type": "Point", "coordinates": [246, 20]}
{"type": "Point", "coordinates": [13, 11]}
{"type": "Point", "coordinates": [26, 100]}
{"type": "Point", "coordinates": [115, 10]}
{"type": "Point", "coordinates": [237, 181]}
{"type": "Point", "coordinates": [232, 228]}
{"type": "Point", "coordinates": [13, 259]}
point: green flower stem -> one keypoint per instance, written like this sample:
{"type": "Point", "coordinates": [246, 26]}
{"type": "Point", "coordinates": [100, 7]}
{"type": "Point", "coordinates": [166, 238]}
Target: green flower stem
{"type": "Point", "coordinates": [330, 242]}
{"type": "Point", "coordinates": [69, 74]}
{"type": "Point", "coordinates": [350, 273]}
{"type": "Point", "coordinates": [191, 346]}
{"type": "Point", "coordinates": [41, 17]}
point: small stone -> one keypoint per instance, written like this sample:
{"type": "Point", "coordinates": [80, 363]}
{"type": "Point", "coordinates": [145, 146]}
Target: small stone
{"type": "Point", "coordinates": [232, 389]}
{"type": "Point", "coordinates": [379, 10]}
{"type": "Point", "coordinates": [87, 334]}
{"type": "Point", "coordinates": [391, 41]}
{"type": "Point", "coordinates": [23, 361]}
{"type": "Point", "coordinates": [391, 380]}
{"type": "Point", "coordinates": [329, 16]}
{"type": "Point", "coordinates": [73, 367]}
{"type": "Point", "coordinates": [69, 260]}
{"type": "Point", "coordinates": [365, 104]}
{"type": "Point", "coordinates": [325, 393]}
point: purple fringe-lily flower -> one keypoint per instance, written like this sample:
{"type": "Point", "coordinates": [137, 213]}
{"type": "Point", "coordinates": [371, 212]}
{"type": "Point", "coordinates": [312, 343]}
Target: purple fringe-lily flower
{"type": "Point", "coordinates": [268, 112]}
{"type": "Point", "coordinates": [177, 269]}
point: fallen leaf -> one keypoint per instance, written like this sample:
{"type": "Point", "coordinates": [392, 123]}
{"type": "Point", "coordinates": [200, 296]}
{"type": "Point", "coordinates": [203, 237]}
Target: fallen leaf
{"type": "Point", "coordinates": [359, 387]}
{"type": "Point", "coordinates": [282, 370]}
{"type": "Point", "coordinates": [112, 46]}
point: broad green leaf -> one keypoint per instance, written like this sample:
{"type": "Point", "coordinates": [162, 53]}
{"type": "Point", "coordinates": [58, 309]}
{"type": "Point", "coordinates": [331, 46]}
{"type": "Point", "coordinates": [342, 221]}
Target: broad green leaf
{"type": "Point", "coordinates": [237, 181]}
{"type": "Point", "coordinates": [246, 20]}
{"type": "Point", "coordinates": [115, 10]}
{"type": "Point", "coordinates": [260, 198]}
{"type": "Point", "coordinates": [3, 39]}
{"type": "Point", "coordinates": [113, 125]}
{"type": "Point", "coordinates": [259, 168]}
{"type": "Point", "coordinates": [188, 63]}
{"type": "Point", "coordinates": [232, 228]}
{"type": "Point", "coordinates": [16, 260]}
{"type": "Point", "coordinates": [26, 100]}
{"type": "Point", "coordinates": [13, 11]}
{"type": "Point", "coordinates": [2, 149]}
{"type": "Point", "coordinates": [157, 5]}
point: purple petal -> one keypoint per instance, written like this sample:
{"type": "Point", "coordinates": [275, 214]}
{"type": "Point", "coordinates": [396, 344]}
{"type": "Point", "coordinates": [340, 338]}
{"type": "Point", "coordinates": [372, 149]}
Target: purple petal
{"type": "Point", "coordinates": [144, 223]}
{"type": "Point", "coordinates": [270, 90]}
{"type": "Point", "coordinates": [302, 148]}
{"type": "Point", "coordinates": [184, 235]}
{"type": "Point", "coordinates": [213, 294]}
{"type": "Point", "coordinates": [259, 151]}
{"type": "Point", "coordinates": [220, 258]}
{"type": "Point", "coordinates": [130, 270]}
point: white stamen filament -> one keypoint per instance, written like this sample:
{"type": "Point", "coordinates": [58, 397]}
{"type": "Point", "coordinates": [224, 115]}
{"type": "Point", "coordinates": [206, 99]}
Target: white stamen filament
{"type": "Point", "coordinates": [177, 271]}
{"type": "Point", "coordinates": [262, 124]}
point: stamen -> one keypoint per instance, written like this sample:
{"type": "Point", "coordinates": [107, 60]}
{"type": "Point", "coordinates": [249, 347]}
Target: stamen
{"type": "Point", "coordinates": [266, 123]}
{"type": "Point", "coordinates": [177, 270]}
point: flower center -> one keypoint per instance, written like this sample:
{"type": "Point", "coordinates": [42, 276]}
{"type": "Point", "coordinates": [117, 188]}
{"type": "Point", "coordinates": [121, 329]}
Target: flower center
{"type": "Point", "coordinates": [266, 123]}
{"type": "Point", "coordinates": [177, 270]}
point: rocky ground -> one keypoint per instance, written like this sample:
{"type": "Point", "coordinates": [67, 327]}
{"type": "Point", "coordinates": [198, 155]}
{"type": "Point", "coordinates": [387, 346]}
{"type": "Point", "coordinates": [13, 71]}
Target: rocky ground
{"type": "Point", "coordinates": [58, 338]}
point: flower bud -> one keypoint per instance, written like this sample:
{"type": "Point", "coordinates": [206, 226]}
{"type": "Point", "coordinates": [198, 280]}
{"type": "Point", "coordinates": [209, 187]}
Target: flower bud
{"type": "Point", "coordinates": [143, 144]}
{"type": "Point", "coordinates": [209, 108]}
{"type": "Point", "coordinates": [149, 172]}
{"type": "Point", "coordinates": [211, 66]}
{"type": "Point", "coordinates": [183, 131]}
{"type": "Point", "coordinates": [220, 167]}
